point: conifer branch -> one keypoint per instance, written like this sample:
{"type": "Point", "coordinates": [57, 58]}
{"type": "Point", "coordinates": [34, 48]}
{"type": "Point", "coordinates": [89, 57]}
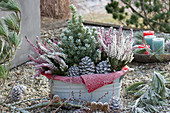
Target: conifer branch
{"type": "Point", "coordinates": [9, 30]}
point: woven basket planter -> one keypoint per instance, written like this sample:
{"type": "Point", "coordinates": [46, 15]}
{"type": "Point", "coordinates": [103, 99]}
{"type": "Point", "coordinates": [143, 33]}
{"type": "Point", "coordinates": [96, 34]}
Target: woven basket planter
{"type": "Point", "coordinates": [109, 86]}
{"type": "Point", "coordinates": [149, 59]}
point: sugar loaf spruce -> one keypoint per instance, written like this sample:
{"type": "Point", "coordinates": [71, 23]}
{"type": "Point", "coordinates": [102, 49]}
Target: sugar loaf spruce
{"type": "Point", "coordinates": [78, 41]}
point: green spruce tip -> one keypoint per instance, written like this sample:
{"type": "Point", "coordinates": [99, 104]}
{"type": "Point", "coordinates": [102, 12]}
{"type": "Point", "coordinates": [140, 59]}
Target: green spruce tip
{"type": "Point", "coordinates": [78, 41]}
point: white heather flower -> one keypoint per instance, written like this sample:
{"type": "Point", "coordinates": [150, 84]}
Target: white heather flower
{"type": "Point", "coordinates": [120, 48]}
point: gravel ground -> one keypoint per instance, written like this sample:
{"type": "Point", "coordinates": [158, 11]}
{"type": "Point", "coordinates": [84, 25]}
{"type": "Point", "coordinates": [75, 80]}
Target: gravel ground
{"type": "Point", "coordinates": [39, 88]}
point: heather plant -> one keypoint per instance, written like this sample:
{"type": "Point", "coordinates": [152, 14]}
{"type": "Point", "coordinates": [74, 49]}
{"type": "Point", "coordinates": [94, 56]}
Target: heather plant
{"type": "Point", "coordinates": [51, 59]}
{"type": "Point", "coordinates": [116, 47]}
{"type": "Point", "coordinates": [10, 38]}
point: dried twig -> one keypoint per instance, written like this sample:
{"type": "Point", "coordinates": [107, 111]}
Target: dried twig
{"type": "Point", "coordinates": [84, 100]}
{"type": "Point", "coordinates": [16, 103]}
{"type": "Point", "coordinates": [112, 96]}
{"type": "Point", "coordinates": [146, 15]}
{"type": "Point", "coordinates": [14, 108]}
{"type": "Point", "coordinates": [61, 105]}
{"type": "Point", "coordinates": [79, 97]}
{"type": "Point", "coordinates": [102, 96]}
{"type": "Point", "coordinates": [72, 99]}
{"type": "Point", "coordinates": [51, 85]}
{"type": "Point", "coordinates": [54, 100]}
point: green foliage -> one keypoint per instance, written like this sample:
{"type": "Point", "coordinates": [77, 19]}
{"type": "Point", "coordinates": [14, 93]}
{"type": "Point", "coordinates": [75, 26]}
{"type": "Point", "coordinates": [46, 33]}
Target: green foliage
{"type": "Point", "coordinates": [114, 9]}
{"type": "Point", "coordinates": [9, 35]}
{"type": "Point", "coordinates": [140, 50]}
{"type": "Point", "coordinates": [4, 71]}
{"type": "Point", "coordinates": [10, 5]}
{"type": "Point", "coordinates": [138, 36]}
{"type": "Point", "coordinates": [12, 22]}
{"type": "Point", "coordinates": [167, 78]}
{"type": "Point", "coordinates": [3, 30]}
{"type": "Point", "coordinates": [135, 87]}
{"type": "Point", "coordinates": [9, 31]}
{"type": "Point", "coordinates": [15, 39]}
{"type": "Point", "coordinates": [79, 41]}
{"type": "Point", "coordinates": [149, 95]}
{"type": "Point", "coordinates": [157, 13]}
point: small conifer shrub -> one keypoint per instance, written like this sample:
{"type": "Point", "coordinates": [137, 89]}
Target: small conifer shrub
{"type": "Point", "coordinates": [79, 41]}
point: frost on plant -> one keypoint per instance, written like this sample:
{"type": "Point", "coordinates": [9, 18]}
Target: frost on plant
{"type": "Point", "coordinates": [151, 96]}
{"type": "Point", "coordinates": [79, 41]}
{"type": "Point", "coordinates": [51, 59]}
{"type": "Point", "coordinates": [117, 47]}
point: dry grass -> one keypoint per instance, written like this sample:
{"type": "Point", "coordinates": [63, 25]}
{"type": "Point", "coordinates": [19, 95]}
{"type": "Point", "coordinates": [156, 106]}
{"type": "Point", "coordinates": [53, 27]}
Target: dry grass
{"type": "Point", "coordinates": [55, 8]}
{"type": "Point", "coordinates": [103, 17]}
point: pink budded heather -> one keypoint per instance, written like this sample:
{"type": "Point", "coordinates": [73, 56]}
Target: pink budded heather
{"type": "Point", "coordinates": [50, 57]}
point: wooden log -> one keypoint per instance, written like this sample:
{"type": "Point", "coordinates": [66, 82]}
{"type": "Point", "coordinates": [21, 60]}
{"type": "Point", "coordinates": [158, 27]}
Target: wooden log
{"type": "Point", "coordinates": [107, 25]}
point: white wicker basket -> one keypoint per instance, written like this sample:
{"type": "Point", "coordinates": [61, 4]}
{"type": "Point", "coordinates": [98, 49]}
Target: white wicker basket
{"type": "Point", "coordinates": [63, 89]}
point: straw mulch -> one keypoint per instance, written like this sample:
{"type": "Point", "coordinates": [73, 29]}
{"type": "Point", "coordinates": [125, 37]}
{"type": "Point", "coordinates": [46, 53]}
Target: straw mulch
{"type": "Point", "coordinates": [55, 8]}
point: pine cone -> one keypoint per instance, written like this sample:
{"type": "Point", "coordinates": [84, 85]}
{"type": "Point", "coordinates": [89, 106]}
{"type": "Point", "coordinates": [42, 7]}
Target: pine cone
{"type": "Point", "coordinates": [86, 66]}
{"type": "Point", "coordinates": [103, 67]}
{"type": "Point", "coordinates": [116, 104]}
{"type": "Point", "coordinates": [73, 71]}
{"type": "Point", "coordinates": [22, 88]}
{"type": "Point", "coordinates": [17, 92]}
